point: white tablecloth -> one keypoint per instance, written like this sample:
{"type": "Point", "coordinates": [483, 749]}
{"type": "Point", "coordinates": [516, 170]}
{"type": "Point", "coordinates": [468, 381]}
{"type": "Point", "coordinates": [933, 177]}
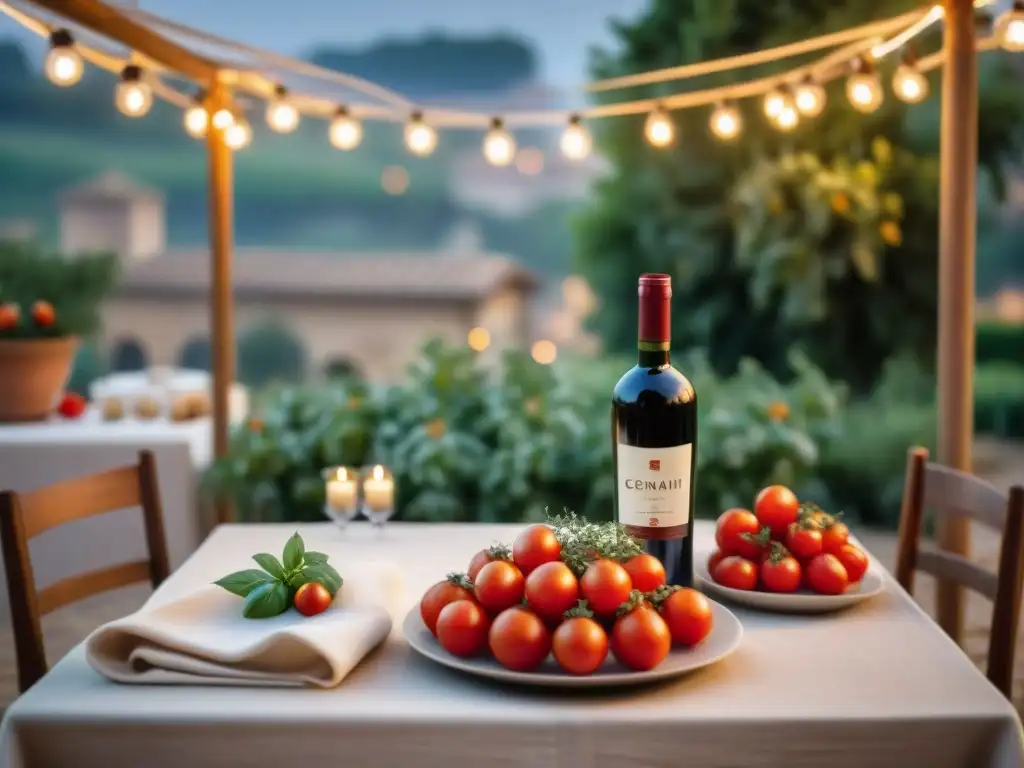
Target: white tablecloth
{"type": "Point", "coordinates": [877, 686]}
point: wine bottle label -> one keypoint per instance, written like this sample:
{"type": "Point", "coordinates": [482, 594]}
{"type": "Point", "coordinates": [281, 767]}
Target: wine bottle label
{"type": "Point", "coordinates": [654, 485]}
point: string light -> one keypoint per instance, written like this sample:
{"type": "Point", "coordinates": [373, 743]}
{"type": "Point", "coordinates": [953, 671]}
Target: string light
{"type": "Point", "coordinates": [345, 131]}
{"type": "Point", "coordinates": [222, 119]}
{"type": "Point", "coordinates": [133, 96]}
{"type": "Point", "coordinates": [659, 128]}
{"type": "Point", "coordinates": [238, 135]}
{"type": "Point", "coordinates": [197, 120]}
{"type": "Point", "coordinates": [420, 138]}
{"type": "Point", "coordinates": [499, 144]}
{"type": "Point", "coordinates": [1010, 28]}
{"type": "Point", "coordinates": [282, 115]}
{"type": "Point", "coordinates": [726, 122]}
{"type": "Point", "coordinates": [809, 97]}
{"type": "Point", "coordinates": [773, 103]}
{"type": "Point", "coordinates": [63, 63]}
{"type": "Point", "coordinates": [478, 339]}
{"type": "Point", "coordinates": [908, 83]}
{"type": "Point", "coordinates": [863, 88]}
{"type": "Point", "coordinates": [544, 352]}
{"type": "Point", "coordinates": [788, 116]}
{"type": "Point", "coordinates": [575, 142]}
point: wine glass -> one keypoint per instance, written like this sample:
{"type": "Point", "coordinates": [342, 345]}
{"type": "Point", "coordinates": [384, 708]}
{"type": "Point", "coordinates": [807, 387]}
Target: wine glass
{"type": "Point", "coordinates": [378, 495]}
{"type": "Point", "coordinates": [341, 494]}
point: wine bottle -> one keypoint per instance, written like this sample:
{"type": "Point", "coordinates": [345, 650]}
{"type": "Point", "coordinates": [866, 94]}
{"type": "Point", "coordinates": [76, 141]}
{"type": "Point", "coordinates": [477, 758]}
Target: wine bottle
{"type": "Point", "coordinates": [654, 440]}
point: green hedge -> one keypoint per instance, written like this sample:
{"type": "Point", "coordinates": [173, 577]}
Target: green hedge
{"type": "Point", "coordinates": [999, 342]}
{"type": "Point", "coordinates": [999, 400]}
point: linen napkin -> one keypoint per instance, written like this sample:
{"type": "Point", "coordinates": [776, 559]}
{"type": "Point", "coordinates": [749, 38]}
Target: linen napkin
{"type": "Point", "coordinates": [203, 639]}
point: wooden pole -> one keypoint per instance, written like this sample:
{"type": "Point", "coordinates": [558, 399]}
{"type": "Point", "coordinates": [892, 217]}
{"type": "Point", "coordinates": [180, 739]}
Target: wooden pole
{"type": "Point", "coordinates": [959, 158]}
{"type": "Point", "coordinates": [221, 227]}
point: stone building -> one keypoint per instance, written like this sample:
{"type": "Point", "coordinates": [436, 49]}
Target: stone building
{"type": "Point", "coordinates": [365, 312]}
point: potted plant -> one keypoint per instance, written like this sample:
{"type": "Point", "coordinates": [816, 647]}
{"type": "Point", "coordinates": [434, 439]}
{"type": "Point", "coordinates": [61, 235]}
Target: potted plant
{"type": "Point", "coordinates": [47, 303]}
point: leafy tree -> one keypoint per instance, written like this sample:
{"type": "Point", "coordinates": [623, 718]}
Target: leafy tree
{"type": "Point", "coordinates": [753, 272]}
{"type": "Point", "coordinates": [270, 352]}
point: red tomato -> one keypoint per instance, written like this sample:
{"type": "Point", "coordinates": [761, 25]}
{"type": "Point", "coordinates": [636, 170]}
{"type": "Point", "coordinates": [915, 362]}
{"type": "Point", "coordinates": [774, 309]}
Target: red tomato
{"type": "Point", "coordinates": [776, 507]}
{"type": "Point", "coordinates": [854, 561]}
{"type": "Point", "coordinates": [534, 547]}
{"type": "Point", "coordinates": [641, 638]}
{"type": "Point", "coordinates": [734, 531]}
{"type": "Point", "coordinates": [498, 586]}
{"type": "Point", "coordinates": [836, 536]}
{"type": "Point", "coordinates": [312, 598]}
{"type": "Point", "coordinates": [605, 586]}
{"type": "Point", "coordinates": [645, 572]}
{"type": "Point", "coordinates": [580, 645]}
{"type": "Point", "coordinates": [72, 405]}
{"type": "Point", "coordinates": [781, 574]}
{"type": "Point", "coordinates": [803, 543]}
{"type": "Point", "coordinates": [688, 616]}
{"type": "Point", "coordinates": [551, 590]}
{"type": "Point", "coordinates": [462, 628]}
{"type": "Point", "coordinates": [9, 315]}
{"type": "Point", "coordinates": [519, 639]}
{"type": "Point", "coordinates": [735, 572]}
{"type": "Point", "coordinates": [453, 588]}
{"type": "Point", "coordinates": [825, 574]}
{"type": "Point", "coordinates": [485, 556]}
{"type": "Point", "coordinates": [714, 559]}
{"type": "Point", "coordinates": [43, 314]}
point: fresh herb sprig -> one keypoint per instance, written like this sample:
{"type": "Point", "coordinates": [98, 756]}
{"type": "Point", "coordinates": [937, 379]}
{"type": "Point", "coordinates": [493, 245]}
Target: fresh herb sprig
{"type": "Point", "coordinates": [270, 589]}
{"type": "Point", "coordinates": [583, 542]}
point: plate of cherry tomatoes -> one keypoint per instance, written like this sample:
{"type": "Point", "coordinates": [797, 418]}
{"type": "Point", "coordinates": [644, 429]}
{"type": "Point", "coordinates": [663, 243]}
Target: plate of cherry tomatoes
{"type": "Point", "coordinates": [786, 556]}
{"type": "Point", "coordinates": [569, 606]}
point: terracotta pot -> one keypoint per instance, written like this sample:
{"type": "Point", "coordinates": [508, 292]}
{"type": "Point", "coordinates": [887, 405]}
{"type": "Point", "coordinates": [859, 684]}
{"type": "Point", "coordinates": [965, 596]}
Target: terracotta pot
{"type": "Point", "coordinates": [33, 373]}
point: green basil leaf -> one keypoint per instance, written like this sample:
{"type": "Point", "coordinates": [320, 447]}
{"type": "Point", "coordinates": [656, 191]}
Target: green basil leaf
{"type": "Point", "coordinates": [241, 583]}
{"type": "Point", "coordinates": [314, 558]}
{"type": "Point", "coordinates": [297, 579]}
{"type": "Point", "coordinates": [293, 551]}
{"type": "Point", "coordinates": [270, 564]}
{"type": "Point", "coordinates": [324, 574]}
{"type": "Point", "coordinates": [267, 600]}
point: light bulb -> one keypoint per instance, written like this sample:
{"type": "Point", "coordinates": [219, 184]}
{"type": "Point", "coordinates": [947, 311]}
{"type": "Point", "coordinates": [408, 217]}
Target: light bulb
{"type": "Point", "coordinates": [773, 103]}
{"type": "Point", "coordinates": [575, 142]}
{"type": "Point", "coordinates": [238, 135]}
{"type": "Point", "coordinates": [809, 98]}
{"type": "Point", "coordinates": [499, 144]}
{"type": "Point", "coordinates": [726, 122]}
{"type": "Point", "coordinates": [420, 138]}
{"type": "Point", "coordinates": [909, 84]}
{"type": "Point", "coordinates": [788, 116]}
{"type": "Point", "coordinates": [63, 63]}
{"type": "Point", "coordinates": [1010, 28]}
{"type": "Point", "coordinates": [222, 119]}
{"type": "Point", "coordinates": [345, 131]}
{"type": "Point", "coordinates": [864, 90]}
{"type": "Point", "coordinates": [196, 118]}
{"type": "Point", "coordinates": [659, 129]}
{"type": "Point", "coordinates": [282, 116]}
{"type": "Point", "coordinates": [133, 96]}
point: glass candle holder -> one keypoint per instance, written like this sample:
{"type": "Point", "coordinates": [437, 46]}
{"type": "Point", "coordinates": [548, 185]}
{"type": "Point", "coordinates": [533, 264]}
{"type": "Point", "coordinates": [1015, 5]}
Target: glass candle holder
{"type": "Point", "coordinates": [341, 494]}
{"type": "Point", "coordinates": [378, 494]}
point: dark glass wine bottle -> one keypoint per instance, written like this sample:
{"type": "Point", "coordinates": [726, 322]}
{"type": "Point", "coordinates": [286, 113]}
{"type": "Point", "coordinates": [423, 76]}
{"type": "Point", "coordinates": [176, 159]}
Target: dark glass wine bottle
{"type": "Point", "coordinates": [654, 440]}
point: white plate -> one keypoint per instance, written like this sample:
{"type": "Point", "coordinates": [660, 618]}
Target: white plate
{"type": "Point", "coordinates": [802, 601]}
{"type": "Point", "coordinates": [725, 636]}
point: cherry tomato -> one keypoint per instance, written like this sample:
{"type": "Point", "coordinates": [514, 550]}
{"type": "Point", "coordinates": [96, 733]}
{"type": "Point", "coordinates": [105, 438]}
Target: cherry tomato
{"type": "Point", "coordinates": [454, 587]}
{"type": "Point", "coordinates": [641, 638]}
{"type": "Point", "coordinates": [854, 561]}
{"type": "Point", "coordinates": [43, 314]}
{"type": "Point", "coordinates": [781, 574]}
{"type": "Point", "coordinates": [579, 645]}
{"type": "Point", "coordinates": [734, 530]}
{"type": "Point", "coordinates": [825, 574]}
{"type": "Point", "coordinates": [312, 598]}
{"type": "Point", "coordinates": [736, 573]}
{"type": "Point", "coordinates": [605, 586]}
{"type": "Point", "coordinates": [645, 572]}
{"type": "Point", "coordinates": [551, 590]}
{"type": "Point", "coordinates": [688, 616]}
{"type": "Point", "coordinates": [776, 507]}
{"type": "Point", "coordinates": [833, 538]}
{"type": "Point", "coordinates": [499, 585]}
{"type": "Point", "coordinates": [485, 556]}
{"type": "Point", "coordinates": [462, 628]}
{"type": "Point", "coordinates": [519, 639]}
{"type": "Point", "coordinates": [803, 542]}
{"type": "Point", "coordinates": [714, 559]}
{"type": "Point", "coordinates": [72, 405]}
{"type": "Point", "coordinates": [9, 315]}
{"type": "Point", "coordinates": [534, 547]}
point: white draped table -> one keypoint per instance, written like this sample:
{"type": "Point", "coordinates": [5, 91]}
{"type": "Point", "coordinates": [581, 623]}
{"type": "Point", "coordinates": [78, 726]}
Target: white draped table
{"type": "Point", "coordinates": [878, 685]}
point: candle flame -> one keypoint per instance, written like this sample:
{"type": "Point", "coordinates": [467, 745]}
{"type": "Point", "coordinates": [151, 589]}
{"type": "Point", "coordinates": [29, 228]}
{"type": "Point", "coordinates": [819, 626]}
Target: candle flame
{"type": "Point", "coordinates": [378, 472]}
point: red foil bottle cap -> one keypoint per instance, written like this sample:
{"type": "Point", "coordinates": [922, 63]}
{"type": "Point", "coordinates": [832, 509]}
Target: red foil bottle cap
{"type": "Point", "coordinates": [655, 293]}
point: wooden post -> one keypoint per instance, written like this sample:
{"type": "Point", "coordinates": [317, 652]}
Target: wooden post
{"type": "Point", "coordinates": [221, 226]}
{"type": "Point", "coordinates": [959, 158]}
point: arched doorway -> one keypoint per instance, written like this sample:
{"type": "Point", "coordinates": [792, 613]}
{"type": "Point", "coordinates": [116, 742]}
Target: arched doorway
{"type": "Point", "coordinates": [195, 354]}
{"type": "Point", "coordinates": [342, 368]}
{"type": "Point", "coordinates": [128, 354]}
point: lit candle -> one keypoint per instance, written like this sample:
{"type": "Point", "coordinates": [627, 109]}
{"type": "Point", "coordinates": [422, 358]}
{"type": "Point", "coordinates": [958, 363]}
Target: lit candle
{"type": "Point", "coordinates": [379, 490]}
{"type": "Point", "coordinates": [342, 491]}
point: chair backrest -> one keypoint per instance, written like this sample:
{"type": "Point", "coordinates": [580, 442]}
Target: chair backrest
{"type": "Point", "coordinates": [950, 492]}
{"type": "Point", "coordinates": [24, 515]}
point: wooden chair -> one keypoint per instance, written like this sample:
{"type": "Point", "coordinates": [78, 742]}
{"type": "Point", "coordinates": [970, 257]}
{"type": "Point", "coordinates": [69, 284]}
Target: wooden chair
{"type": "Point", "coordinates": [948, 491]}
{"type": "Point", "coordinates": [25, 515]}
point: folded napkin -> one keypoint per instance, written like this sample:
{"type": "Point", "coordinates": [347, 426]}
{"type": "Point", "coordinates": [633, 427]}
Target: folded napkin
{"type": "Point", "coordinates": [202, 638]}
